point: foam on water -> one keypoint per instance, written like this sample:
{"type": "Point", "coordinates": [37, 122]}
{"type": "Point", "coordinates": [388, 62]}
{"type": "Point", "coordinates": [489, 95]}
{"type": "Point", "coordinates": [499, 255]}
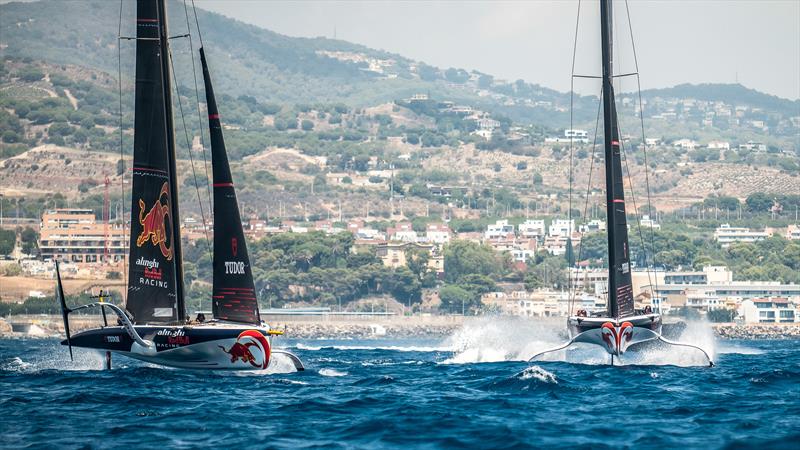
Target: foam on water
{"type": "Point", "coordinates": [495, 339]}
{"type": "Point", "coordinates": [332, 373]}
{"type": "Point", "coordinates": [537, 373]}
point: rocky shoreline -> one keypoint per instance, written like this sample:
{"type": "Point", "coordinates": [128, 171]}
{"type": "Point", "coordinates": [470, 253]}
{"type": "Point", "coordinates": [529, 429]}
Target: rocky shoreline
{"type": "Point", "coordinates": [757, 331]}
{"type": "Point", "coordinates": [401, 327]}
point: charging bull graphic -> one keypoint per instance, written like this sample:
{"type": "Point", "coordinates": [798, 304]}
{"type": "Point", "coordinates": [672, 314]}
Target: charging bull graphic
{"type": "Point", "coordinates": [617, 339]}
{"type": "Point", "coordinates": [153, 223]}
{"type": "Point", "coordinates": [243, 348]}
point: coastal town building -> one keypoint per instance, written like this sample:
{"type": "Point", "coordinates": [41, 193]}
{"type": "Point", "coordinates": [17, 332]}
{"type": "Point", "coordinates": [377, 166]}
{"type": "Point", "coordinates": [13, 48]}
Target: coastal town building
{"type": "Point", "coordinates": [593, 226]}
{"type": "Point", "coordinates": [726, 235]}
{"type": "Point", "coordinates": [557, 245]}
{"type": "Point", "coordinates": [647, 222]}
{"type": "Point", "coordinates": [438, 233]}
{"type": "Point", "coordinates": [561, 227]}
{"type": "Point", "coordinates": [793, 232]}
{"type": "Point", "coordinates": [532, 228]}
{"type": "Point", "coordinates": [75, 235]}
{"type": "Point", "coordinates": [769, 310]}
{"type": "Point", "coordinates": [403, 232]}
{"type": "Point", "coordinates": [499, 230]}
{"type": "Point", "coordinates": [395, 255]}
{"type": "Point", "coordinates": [539, 303]}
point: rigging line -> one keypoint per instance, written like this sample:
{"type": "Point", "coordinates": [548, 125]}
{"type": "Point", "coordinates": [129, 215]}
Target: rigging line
{"type": "Point", "coordinates": [571, 147]}
{"type": "Point", "coordinates": [644, 143]}
{"type": "Point", "coordinates": [197, 23]}
{"type": "Point", "coordinates": [588, 189]}
{"type": "Point", "coordinates": [189, 147]}
{"type": "Point", "coordinates": [122, 148]}
{"type": "Point", "coordinates": [199, 114]}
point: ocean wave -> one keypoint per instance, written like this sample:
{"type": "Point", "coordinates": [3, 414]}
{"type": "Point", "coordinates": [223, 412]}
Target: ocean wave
{"type": "Point", "coordinates": [390, 348]}
{"type": "Point", "coordinates": [537, 373]}
{"type": "Point", "coordinates": [332, 373]}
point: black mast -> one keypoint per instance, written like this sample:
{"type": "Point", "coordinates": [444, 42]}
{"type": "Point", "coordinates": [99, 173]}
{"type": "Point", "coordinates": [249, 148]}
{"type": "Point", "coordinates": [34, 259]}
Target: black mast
{"type": "Point", "coordinates": [172, 157]}
{"type": "Point", "coordinates": [620, 291]}
{"type": "Point", "coordinates": [155, 277]}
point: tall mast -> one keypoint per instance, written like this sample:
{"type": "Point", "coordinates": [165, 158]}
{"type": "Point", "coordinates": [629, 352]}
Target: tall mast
{"type": "Point", "coordinates": [620, 292]}
{"type": "Point", "coordinates": [155, 275]}
{"type": "Point", "coordinates": [175, 223]}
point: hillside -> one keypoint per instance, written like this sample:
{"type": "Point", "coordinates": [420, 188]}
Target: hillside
{"type": "Point", "coordinates": [318, 127]}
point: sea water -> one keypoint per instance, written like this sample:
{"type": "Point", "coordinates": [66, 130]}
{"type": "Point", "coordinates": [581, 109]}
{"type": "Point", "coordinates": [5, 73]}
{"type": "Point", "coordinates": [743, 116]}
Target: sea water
{"type": "Point", "coordinates": [472, 389]}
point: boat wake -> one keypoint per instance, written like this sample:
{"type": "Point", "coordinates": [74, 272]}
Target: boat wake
{"type": "Point", "coordinates": [84, 360]}
{"type": "Point", "coordinates": [497, 339]}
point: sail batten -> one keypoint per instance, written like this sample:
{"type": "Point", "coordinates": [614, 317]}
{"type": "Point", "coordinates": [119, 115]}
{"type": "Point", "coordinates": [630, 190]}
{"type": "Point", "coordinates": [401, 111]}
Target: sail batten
{"type": "Point", "coordinates": [620, 290]}
{"type": "Point", "coordinates": [155, 279]}
{"type": "Point", "coordinates": [234, 296]}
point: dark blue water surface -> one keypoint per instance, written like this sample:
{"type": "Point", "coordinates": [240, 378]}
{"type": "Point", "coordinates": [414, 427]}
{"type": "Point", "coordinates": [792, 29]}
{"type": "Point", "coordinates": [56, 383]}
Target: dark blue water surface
{"type": "Point", "coordinates": [400, 393]}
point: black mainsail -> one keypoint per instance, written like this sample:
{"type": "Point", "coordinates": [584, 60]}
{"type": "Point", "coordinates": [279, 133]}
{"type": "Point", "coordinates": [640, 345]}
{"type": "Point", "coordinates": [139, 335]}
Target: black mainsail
{"type": "Point", "coordinates": [620, 291]}
{"type": "Point", "coordinates": [155, 283]}
{"type": "Point", "coordinates": [234, 295]}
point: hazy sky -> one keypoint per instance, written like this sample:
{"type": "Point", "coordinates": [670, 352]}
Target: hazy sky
{"type": "Point", "coordinates": [677, 41]}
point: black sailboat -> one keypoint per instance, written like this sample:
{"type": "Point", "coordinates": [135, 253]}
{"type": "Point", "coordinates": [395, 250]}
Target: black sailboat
{"type": "Point", "coordinates": [620, 326]}
{"type": "Point", "coordinates": [154, 326]}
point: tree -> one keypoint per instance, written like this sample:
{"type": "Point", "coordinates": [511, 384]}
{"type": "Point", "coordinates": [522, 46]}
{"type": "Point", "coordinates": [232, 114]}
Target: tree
{"type": "Point", "coordinates": [8, 239]}
{"type": "Point", "coordinates": [427, 73]}
{"type": "Point", "coordinates": [463, 258]}
{"type": "Point", "coordinates": [417, 261]}
{"type": "Point", "coordinates": [569, 254]}
{"type": "Point", "coordinates": [29, 238]}
{"type": "Point", "coordinates": [307, 125]}
{"type": "Point", "coordinates": [454, 298]}
{"type": "Point", "coordinates": [485, 81]}
{"type": "Point", "coordinates": [456, 75]}
{"type": "Point", "coordinates": [721, 315]}
{"type": "Point", "coordinates": [759, 202]}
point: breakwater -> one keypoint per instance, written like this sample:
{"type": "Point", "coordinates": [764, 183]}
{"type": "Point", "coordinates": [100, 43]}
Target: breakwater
{"type": "Point", "coordinates": [355, 328]}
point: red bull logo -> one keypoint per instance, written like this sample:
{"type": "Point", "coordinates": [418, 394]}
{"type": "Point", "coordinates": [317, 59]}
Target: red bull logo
{"type": "Point", "coordinates": [153, 223]}
{"type": "Point", "coordinates": [250, 347]}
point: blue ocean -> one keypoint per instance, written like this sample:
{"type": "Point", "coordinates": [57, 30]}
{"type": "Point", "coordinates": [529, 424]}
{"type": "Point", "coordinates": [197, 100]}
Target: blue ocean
{"type": "Point", "coordinates": [462, 391]}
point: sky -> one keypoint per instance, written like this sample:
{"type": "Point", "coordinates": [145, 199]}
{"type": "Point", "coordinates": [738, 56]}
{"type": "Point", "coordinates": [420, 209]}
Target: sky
{"type": "Point", "coordinates": [754, 42]}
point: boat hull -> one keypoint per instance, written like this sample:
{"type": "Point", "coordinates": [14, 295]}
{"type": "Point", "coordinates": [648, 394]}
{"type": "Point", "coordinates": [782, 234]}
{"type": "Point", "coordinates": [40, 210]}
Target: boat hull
{"type": "Point", "coordinates": [616, 336]}
{"type": "Point", "coordinates": [220, 347]}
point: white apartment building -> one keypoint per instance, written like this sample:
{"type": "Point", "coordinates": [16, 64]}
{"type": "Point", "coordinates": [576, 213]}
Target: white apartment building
{"type": "Point", "coordinates": [647, 222]}
{"type": "Point", "coordinates": [500, 230]}
{"type": "Point", "coordinates": [438, 233]}
{"type": "Point", "coordinates": [719, 145]}
{"type": "Point", "coordinates": [769, 310]}
{"type": "Point", "coordinates": [593, 226]}
{"type": "Point", "coordinates": [727, 234]}
{"type": "Point", "coordinates": [561, 227]}
{"type": "Point", "coordinates": [532, 228]}
{"type": "Point", "coordinates": [402, 232]}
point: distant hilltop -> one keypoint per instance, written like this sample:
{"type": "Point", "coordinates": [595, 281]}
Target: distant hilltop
{"type": "Point", "coordinates": [275, 68]}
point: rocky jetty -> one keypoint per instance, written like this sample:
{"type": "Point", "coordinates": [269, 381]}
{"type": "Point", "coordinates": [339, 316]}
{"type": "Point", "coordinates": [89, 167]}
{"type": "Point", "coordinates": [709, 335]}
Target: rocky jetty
{"type": "Point", "coordinates": [758, 331]}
